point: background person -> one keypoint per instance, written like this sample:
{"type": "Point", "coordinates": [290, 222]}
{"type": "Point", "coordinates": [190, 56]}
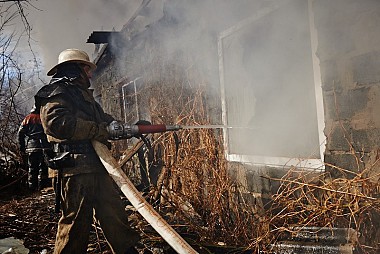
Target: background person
{"type": "Point", "coordinates": [32, 142]}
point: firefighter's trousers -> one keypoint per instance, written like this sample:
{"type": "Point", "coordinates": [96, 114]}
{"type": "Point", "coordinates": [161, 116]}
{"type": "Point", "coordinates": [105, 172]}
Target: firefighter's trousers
{"type": "Point", "coordinates": [38, 171]}
{"type": "Point", "coordinates": [88, 196]}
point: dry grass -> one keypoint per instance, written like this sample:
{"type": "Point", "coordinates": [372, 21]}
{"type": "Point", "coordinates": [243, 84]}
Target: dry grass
{"type": "Point", "coordinates": [194, 190]}
{"type": "Point", "coordinates": [198, 197]}
{"type": "Point", "coordinates": [304, 201]}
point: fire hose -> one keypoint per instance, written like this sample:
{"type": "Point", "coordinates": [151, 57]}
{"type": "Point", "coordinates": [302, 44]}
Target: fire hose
{"type": "Point", "coordinates": [118, 131]}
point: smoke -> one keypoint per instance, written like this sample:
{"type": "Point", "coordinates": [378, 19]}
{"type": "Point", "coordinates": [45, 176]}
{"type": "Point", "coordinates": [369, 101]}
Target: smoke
{"type": "Point", "coordinates": [270, 84]}
{"type": "Point", "coordinates": [265, 54]}
{"type": "Point", "coordinates": [58, 25]}
{"type": "Point", "coordinates": [266, 68]}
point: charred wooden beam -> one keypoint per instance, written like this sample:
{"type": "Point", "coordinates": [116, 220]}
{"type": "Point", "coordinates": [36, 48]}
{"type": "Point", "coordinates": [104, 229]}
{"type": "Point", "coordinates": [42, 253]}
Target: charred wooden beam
{"type": "Point", "coordinates": [100, 37]}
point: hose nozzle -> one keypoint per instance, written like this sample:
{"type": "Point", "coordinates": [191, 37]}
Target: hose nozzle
{"type": "Point", "coordinates": [118, 130]}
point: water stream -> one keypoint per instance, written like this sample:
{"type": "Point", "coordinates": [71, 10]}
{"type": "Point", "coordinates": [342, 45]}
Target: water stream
{"type": "Point", "coordinates": [211, 126]}
{"type": "Point", "coordinates": [204, 126]}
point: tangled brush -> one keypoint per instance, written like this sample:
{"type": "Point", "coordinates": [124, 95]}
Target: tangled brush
{"type": "Point", "coordinates": [197, 195]}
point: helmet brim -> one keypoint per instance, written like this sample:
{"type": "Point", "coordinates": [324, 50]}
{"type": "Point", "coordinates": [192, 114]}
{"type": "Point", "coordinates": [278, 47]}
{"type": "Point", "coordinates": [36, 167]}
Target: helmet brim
{"type": "Point", "coordinates": [53, 70]}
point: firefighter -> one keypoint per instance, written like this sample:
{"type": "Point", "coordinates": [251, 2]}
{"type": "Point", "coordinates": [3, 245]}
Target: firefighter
{"type": "Point", "coordinates": [32, 141]}
{"type": "Point", "coordinates": [71, 119]}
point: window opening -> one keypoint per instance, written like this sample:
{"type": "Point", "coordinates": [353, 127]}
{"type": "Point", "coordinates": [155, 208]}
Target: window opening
{"type": "Point", "coordinates": [270, 87]}
{"type": "Point", "coordinates": [134, 106]}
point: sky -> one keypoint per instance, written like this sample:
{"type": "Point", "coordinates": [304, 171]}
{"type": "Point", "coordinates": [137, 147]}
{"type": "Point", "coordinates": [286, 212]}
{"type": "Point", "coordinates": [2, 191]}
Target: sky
{"type": "Point", "coordinates": [58, 25]}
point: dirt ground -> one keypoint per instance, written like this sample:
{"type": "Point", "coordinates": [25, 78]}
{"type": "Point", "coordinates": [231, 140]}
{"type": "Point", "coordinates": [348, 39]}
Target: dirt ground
{"type": "Point", "coordinates": [30, 217]}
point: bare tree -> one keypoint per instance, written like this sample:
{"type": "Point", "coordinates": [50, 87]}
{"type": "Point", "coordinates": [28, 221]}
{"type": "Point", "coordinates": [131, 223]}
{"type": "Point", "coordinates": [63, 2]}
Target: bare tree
{"type": "Point", "coordinates": [12, 13]}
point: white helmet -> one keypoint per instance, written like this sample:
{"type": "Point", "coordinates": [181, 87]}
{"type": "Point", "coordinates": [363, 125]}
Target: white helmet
{"type": "Point", "coordinates": [72, 55]}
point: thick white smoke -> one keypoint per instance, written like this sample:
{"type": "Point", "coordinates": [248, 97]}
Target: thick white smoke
{"type": "Point", "coordinates": [268, 61]}
{"type": "Point", "coordinates": [58, 25]}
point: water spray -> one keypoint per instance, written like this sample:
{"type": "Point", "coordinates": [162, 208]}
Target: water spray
{"type": "Point", "coordinates": [213, 127]}
{"type": "Point", "coordinates": [204, 126]}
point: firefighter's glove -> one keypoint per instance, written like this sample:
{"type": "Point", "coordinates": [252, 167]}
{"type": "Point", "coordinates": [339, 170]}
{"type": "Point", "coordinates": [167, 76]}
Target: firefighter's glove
{"type": "Point", "coordinates": [91, 130]}
{"type": "Point", "coordinates": [102, 134]}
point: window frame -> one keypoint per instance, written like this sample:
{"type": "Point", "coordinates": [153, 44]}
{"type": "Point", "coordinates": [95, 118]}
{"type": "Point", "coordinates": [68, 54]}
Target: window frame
{"type": "Point", "coordinates": [284, 162]}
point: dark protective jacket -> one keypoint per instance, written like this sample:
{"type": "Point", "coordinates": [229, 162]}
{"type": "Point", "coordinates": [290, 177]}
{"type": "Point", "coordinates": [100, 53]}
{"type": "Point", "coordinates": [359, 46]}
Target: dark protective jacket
{"type": "Point", "coordinates": [31, 136]}
{"type": "Point", "coordinates": [71, 116]}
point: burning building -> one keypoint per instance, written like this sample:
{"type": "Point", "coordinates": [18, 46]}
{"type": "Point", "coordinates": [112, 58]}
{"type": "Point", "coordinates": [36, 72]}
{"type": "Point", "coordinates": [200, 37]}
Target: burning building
{"type": "Point", "coordinates": [290, 86]}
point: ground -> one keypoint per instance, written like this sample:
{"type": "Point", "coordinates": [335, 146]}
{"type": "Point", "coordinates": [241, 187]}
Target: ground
{"type": "Point", "coordinates": [30, 216]}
